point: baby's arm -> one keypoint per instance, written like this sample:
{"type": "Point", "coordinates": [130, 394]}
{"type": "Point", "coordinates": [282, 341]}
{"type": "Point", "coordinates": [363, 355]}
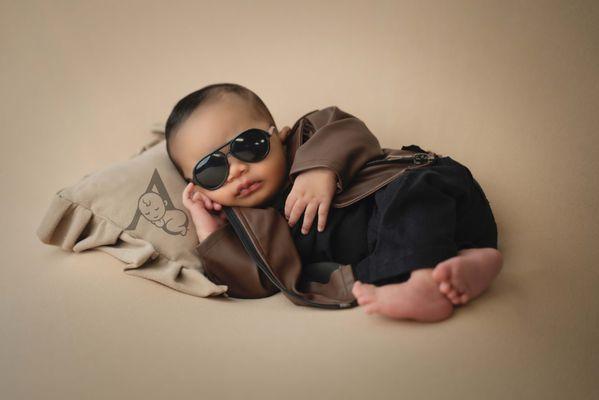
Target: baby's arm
{"type": "Point", "coordinates": [333, 147]}
{"type": "Point", "coordinates": [336, 140]}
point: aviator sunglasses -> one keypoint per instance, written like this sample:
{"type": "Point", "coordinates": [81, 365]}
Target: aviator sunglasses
{"type": "Point", "coordinates": [251, 145]}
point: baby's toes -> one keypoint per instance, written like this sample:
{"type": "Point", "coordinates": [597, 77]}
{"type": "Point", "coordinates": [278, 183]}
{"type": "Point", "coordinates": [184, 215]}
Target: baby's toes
{"type": "Point", "coordinates": [454, 296]}
{"type": "Point", "coordinates": [442, 272]}
{"type": "Point", "coordinates": [366, 294]}
{"type": "Point", "coordinates": [445, 287]}
{"type": "Point", "coordinates": [357, 289]}
{"type": "Point", "coordinates": [365, 298]}
{"type": "Point", "coordinates": [371, 308]}
{"type": "Point", "coordinates": [458, 284]}
{"type": "Point", "coordinates": [464, 298]}
{"type": "Point", "coordinates": [455, 300]}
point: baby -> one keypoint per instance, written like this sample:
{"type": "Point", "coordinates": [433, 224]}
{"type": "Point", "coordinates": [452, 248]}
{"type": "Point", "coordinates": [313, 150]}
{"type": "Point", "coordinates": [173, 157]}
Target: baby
{"type": "Point", "coordinates": [209, 119]}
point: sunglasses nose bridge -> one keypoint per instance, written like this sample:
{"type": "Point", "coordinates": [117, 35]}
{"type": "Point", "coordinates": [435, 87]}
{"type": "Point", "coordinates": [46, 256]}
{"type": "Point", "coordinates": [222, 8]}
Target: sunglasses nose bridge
{"type": "Point", "coordinates": [230, 157]}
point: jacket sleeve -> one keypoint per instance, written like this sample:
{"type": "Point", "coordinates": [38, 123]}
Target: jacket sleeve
{"type": "Point", "coordinates": [334, 139]}
{"type": "Point", "coordinates": [226, 261]}
{"type": "Point", "coordinates": [266, 233]}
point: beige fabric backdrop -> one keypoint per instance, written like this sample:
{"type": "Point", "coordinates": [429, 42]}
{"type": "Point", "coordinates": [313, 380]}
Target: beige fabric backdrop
{"type": "Point", "coordinates": [509, 88]}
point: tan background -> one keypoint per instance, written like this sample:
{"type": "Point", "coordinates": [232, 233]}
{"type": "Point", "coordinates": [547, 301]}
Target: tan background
{"type": "Point", "coordinates": [509, 88]}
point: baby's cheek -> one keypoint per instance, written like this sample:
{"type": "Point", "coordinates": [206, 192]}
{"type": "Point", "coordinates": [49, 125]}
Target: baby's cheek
{"type": "Point", "coordinates": [224, 197]}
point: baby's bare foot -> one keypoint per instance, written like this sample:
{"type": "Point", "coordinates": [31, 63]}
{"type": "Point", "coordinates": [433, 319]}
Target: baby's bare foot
{"type": "Point", "coordinates": [418, 298]}
{"type": "Point", "coordinates": [467, 275]}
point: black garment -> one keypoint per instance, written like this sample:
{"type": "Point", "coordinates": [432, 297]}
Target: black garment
{"type": "Point", "coordinates": [416, 221]}
{"type": "Point", "coordinates": [343, 239]}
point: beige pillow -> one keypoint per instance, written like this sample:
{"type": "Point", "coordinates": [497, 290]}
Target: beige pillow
{"type": "Point", "coordinates": [132, 210]}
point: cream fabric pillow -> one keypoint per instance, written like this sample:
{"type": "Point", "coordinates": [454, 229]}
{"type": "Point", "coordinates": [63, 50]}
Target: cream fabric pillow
{"type": "Point", "coordinates": [132, 210]}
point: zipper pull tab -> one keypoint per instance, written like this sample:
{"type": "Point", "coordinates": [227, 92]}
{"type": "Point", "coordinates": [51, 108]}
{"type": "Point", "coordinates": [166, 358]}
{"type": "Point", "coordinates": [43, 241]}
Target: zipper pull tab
{"type": "Point", "coordinates": [421, 158]}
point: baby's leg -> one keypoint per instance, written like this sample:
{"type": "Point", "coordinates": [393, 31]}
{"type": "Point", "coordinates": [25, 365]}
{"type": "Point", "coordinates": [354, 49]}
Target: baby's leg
{"type": "Point", "coordinates": [429, 293]}
{"type": "Point", "coordinates": [467, 275]}
{"type": "Point", "coordinates": [418, 219]}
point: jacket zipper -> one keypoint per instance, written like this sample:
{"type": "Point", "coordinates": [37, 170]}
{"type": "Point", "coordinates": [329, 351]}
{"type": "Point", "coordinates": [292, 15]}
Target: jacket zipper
{"type": "Point", "coordinates": [248, 244]}
{"type": "Point", "coordinates": [416, 158]}
{"type": "Point", "coordinates": [419, 159]}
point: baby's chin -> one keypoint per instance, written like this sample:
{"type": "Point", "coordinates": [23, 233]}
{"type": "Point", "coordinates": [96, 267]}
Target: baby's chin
{"type": "Point", "coordinates": [251, 201]}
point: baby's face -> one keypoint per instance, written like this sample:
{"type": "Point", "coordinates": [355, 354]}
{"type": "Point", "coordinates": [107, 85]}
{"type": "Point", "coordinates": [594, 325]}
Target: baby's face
{"type": "Point", "coordinates": [215, 124]}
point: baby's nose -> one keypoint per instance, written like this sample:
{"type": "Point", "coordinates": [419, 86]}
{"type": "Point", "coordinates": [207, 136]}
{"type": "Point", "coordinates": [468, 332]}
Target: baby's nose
{"type": "Point", "coordinates": [236, 168]}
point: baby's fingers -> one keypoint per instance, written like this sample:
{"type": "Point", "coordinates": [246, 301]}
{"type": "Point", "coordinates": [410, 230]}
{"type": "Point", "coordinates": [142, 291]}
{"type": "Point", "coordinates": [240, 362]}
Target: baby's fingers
{"type": "Point", "coordinates": [198, 198]}
{"type": "Point", "coordinates": [206, 200]}
{"type": "Point", "coordinates": [296, 212]}
{"type": "Point", "coordinates": [309, 215]}
{"type": "Point", "coordinates": [209, 203]}
{"type": "Point", "coordinates": [323, 212]}
{"type": "Point", "coordinates": [187, 190]}
{"type": "Point", "coordinates": [187, 194]}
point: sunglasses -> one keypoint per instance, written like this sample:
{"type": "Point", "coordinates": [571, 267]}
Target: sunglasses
{"type": "Point", "coordinates": [252, 145]}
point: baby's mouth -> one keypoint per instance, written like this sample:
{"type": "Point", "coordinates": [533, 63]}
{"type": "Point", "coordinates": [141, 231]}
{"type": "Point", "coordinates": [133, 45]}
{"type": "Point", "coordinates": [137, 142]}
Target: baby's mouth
{"type": "Point", "coordinates": [244, 191]}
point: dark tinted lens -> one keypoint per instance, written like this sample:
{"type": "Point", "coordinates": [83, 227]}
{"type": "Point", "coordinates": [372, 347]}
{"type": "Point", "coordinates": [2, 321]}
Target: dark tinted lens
{"type": "Point", "coordinates": [211, 171]}
{"type": "Point", "coordinates": [251, 146]}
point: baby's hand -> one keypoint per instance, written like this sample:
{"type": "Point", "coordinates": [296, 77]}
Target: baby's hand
{"type": "Point", "coordinates": [198, 206]}
{"type": "Point", "coordinates": [312, 190]}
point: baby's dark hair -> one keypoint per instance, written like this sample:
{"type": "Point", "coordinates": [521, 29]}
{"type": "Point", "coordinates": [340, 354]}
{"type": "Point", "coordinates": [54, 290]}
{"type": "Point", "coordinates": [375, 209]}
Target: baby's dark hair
{"type": "Point", "coordinates": [188, 104]}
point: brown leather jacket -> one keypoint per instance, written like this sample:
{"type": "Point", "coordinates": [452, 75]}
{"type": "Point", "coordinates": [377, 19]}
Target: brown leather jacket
{"type": "Point", "coordinates": [254, 253]}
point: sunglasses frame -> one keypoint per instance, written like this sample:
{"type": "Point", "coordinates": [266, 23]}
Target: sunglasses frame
{"type": "Point", "coordinates": [225, 156]}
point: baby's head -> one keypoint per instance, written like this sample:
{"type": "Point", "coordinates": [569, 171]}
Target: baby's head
{"type": "Point", "coordinates": [209, 118]}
